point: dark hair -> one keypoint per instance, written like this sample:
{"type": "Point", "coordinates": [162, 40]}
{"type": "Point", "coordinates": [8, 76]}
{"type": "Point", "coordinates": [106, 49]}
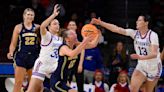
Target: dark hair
{"type": "Point", "coordinates": [71, 21]}
{"type": "Point", "coordinates": [147, 18]}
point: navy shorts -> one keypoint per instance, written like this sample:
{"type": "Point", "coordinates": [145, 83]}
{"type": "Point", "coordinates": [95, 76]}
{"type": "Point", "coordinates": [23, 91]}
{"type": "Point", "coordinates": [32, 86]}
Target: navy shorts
{"type": "Point", "coordinates": [58, 85]}
{"type": "Point", "coordinates": [25, 59]}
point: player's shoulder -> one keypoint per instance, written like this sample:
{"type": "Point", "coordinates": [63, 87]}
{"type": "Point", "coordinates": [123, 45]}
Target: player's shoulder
{"type": "Point", "coordinates": [19, 26]}
{"type": "Point", "coordinates": [153, 33]}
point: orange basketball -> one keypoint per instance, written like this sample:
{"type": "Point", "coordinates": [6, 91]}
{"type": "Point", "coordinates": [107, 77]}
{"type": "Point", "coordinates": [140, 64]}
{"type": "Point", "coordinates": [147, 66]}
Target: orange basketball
{"type": "Point", "coordinates": [89, 29]}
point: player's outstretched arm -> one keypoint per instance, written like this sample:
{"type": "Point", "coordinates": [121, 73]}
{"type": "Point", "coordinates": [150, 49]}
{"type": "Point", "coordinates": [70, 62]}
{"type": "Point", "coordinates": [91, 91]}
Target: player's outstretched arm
{"type": "Point", "coordinates": [109, 26]}
{"type": "Point", "coordinates": [65, 50]}
{"type": "Point", "coordinates": [49, 19]}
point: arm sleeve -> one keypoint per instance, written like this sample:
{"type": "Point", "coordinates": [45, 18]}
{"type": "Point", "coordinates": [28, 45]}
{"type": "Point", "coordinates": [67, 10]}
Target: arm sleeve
{"type": "Point", "coordinates": [46, 38]}
{"type": "Point", "coordinates": [154, 38]}
{"type": "Point", "coordinates": [130, 32]}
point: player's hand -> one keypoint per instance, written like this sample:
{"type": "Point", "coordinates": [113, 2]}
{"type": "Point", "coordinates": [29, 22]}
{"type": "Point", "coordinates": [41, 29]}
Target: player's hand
{"type": "Point", "coordinates": [89, 38]}
{"type": "Point", "coordinates": [10, 55]}
{"type": "Point", "coordinates": [56, 10]}
{"type": "Point", "coordinates": [80, 69]}
{"type": "Point", "coordinates": [135, 56]}
{"type": "Point", "coordinates": [96, 21]}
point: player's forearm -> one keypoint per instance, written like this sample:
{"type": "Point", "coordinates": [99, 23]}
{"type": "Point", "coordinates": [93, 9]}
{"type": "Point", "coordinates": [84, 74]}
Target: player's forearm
{"type": "Point", "coordinates": [113, 28]}
{"type": "Point", "coordinates": [82, 57]}
{"type": "Point", "coordinates": [47, 21]}
{"type": "Point", "coordinates": [78, 49]}
{"type": "Point", "coordinates": [151, 56]}
{"type": "Point", "coordinates": [94, 43]}
{"type": "Point", "coordinates": [12, 48]}
{"type": "Point", "coordinates": [109, 26]}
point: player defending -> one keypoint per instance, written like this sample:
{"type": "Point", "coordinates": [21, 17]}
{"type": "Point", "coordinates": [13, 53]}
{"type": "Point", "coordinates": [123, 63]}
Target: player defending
{"type": "Point", "coordinates": [146, 45]}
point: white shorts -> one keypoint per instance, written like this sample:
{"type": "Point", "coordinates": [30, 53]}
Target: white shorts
{"type": "Point", "coordinates": [44, 68]}
{"type": "Point", "coordinates": [152, 70]}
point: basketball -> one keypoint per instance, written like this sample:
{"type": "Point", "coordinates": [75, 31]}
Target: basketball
{"type": "Point", "coordinates": [89, 29]}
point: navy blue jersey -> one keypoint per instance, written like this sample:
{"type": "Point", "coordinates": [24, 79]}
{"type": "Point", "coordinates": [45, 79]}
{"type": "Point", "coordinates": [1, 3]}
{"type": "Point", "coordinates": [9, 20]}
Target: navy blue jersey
{"type": "Point", "coordinates": [28, 50]}
{"type": "Point", "coordinates": [28, 41]}
{"type": "Point", "coordinates": [60, 76]}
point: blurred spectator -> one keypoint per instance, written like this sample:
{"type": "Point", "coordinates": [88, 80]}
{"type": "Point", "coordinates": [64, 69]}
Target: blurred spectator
{"type": "Point", "coordinates": [79, 73]}
{"type": "Point", "coordinates": [106, 73]}
{"type": "Point", "coordinates": [73, 26]}
{"type": "Point", "coordinates": [100, 85]}
{"type": "Point", "coordinates": [122, 84]}
{"type": "Point", "coordinates": [92, 61]}
{"type": "Point", "coordinates": [92, 15]}
{"type": "Point", "coordinates": [75, 18]}
{"type": "Point", "coordinates": [39, 10]}
{"type": "Point", "coordinates": [118, 62]}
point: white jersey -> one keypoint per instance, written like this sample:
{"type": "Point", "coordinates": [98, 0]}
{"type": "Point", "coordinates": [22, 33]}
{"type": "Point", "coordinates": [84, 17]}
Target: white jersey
{"type": "Point", "coordinates": [47, 61]}
{"type": "Point", "coordinates": [150, 67]}
{"type": "Point", "coordinates": [142, 44]}
{"type": "Point", "coordinates": [49, 46]}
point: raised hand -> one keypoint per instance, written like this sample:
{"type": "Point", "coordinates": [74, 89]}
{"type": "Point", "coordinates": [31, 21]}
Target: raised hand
{"type": "Point", "coordinates": [56, 10]}
{"type": "Point", "coordinates": [96, 21]}
{"type": "Point", "coordinates": [89, 38]}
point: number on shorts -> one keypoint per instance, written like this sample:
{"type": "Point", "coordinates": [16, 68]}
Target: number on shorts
{"type": "Point", "coordinates": [142, 50]}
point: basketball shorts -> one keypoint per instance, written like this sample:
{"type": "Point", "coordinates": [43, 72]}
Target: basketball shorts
{"type": "Point", "coordinates": [25, 59]}
{"type": "Point", "coordinates": [44, 67]}
{"type": "Point", "coordinates": [151, 70]}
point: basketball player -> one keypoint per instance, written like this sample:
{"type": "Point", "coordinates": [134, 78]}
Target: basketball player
{"type": "Point", "coordinates": [78, 71]}
{"type": "Point", "coordinates": [68, 56]}
{"type": "Point", "coordinates": [48, 57]}
{"type": "Point", "coordinates": [146, 45]}
{"type": "Point", "coordinates": [28, 49]}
